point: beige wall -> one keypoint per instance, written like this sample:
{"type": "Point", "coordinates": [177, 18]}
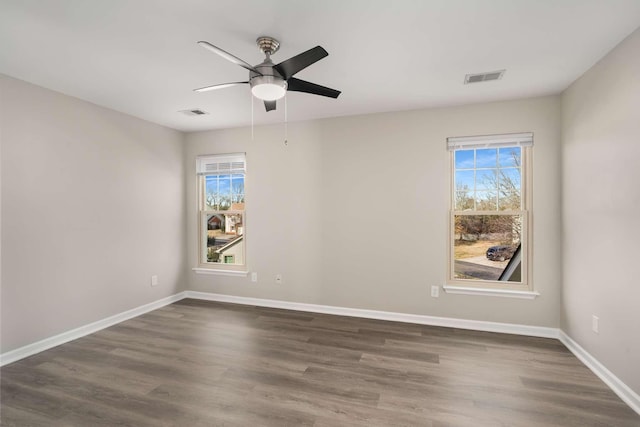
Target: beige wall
{"type": "Point", "coordinates": [601, 199]}
{"type": "Point", "coordinates": [322, 210]}
{"type": "Point", "coordinates": [92, 206]}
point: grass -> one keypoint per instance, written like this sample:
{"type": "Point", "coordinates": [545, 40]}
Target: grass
{"type": "Point", "coordinates": [469, 249]}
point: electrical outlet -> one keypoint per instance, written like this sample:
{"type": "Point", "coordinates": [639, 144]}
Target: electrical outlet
{"type": "Point", "coordinates": [435, 291]}
{"type": "Point", "coordinates": [595, 324]}
{"type": "Point", "coordinates": [154, 280]}
{"type": "Point", "coordinates": [279, 278]}
{"type": "Point", "coordinates": [254, 277]}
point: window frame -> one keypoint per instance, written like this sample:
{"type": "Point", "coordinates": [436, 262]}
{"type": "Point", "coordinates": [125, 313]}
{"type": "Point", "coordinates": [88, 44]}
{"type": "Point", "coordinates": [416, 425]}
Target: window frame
{"type": "Point", "coordinates": [473, 285]}
{"type": "Point", "coordinates": [203, 212]}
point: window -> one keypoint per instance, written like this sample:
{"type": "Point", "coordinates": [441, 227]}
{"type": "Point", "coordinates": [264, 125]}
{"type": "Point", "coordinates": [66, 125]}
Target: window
{"type": "Point", "coordinates": [488, 237]}
{"type": "Point", "coordinates": [221, 200]}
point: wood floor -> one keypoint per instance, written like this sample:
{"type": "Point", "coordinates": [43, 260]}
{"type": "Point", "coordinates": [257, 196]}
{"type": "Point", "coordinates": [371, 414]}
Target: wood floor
{"type": "Point", "coordinates": [196, 363]}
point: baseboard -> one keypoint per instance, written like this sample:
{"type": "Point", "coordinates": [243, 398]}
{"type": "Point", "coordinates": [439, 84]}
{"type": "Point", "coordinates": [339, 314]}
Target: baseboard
{"type": "Point", "coordinates": [47, 343]}
{"type": "Point", "coordinates": [476, 325]}
{"type": "Point", "coordinates": [623, 391]}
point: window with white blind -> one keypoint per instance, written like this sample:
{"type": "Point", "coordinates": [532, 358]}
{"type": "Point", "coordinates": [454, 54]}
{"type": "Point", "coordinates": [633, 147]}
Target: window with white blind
{"type": "Point", "coordinates": [489, 241]}
{"type": "Point", "coordinates": [221, 200]}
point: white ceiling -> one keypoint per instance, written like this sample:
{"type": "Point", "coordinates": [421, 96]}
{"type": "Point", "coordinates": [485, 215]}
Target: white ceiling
{"type": "Point", "coordinates": [140, 56]}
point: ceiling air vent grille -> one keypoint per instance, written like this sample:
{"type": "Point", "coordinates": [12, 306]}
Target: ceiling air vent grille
{"type": "Point", "coordinates": [193, 112]}
{"type": "Point", "coordinates": [483, 77]}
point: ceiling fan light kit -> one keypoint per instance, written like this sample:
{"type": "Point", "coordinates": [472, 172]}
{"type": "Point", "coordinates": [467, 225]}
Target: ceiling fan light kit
{"type": "Point", "coordinates": [268, 88]}
{"type": "Point", "coordinates": [271, 82]}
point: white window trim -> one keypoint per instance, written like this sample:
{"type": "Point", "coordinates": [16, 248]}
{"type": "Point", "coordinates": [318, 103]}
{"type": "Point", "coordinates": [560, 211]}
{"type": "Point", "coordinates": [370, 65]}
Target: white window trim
{"type": "Point", "coordinates": [220, 272]}
{"type": "Point", "coordinates": [219, 269]}
{"type": "Point", "coordinates": [523, 289]}
{"type": "Point", "coordinates": [491, 141]}
{"type": "Point", "coordinates": [506, 293]}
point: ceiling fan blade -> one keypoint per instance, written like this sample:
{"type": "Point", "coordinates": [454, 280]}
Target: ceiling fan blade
{"type": "Point", "coordinates": [229, 57]}
{"type": "Point", "coordinates": [299, 62]}
{"type": "Point", "coordinates": [220, 86]}
{"type": "Point", "coordinates": [270, 105]}
{"type": "Point", "coordinates": [297, 85]}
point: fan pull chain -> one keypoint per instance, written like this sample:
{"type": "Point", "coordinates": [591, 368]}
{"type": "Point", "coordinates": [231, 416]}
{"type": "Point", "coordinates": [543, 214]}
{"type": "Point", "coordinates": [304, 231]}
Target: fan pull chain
{"type": "Point", "coordinates": [286, 123]}
{"type": "Point", "coordinates": [251, 95]}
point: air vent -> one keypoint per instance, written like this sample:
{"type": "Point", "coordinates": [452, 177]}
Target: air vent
{"type": "Point", "coordinates": [483, 77]}
{"type": "Point", "coordinates": [194, 112]}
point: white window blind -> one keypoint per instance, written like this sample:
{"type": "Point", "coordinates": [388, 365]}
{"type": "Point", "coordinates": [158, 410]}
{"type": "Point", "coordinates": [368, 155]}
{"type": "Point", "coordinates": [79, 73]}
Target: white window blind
{"type": "Point", "coordinates": [221, 164]}
{"type": "Point", "coordinates": [490, 141]}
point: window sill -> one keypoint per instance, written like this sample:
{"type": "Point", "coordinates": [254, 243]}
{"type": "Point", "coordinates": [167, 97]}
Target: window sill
{"type": "Point", "coordinates": [505, 293]}
{"type": "Point", "coordinates": [214, 272]}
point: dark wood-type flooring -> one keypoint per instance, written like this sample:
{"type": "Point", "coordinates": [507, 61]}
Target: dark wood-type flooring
{"type": "Point", "coordinates": [197, 363]}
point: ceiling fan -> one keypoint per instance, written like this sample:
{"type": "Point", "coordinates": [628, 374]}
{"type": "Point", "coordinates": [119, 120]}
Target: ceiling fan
{"type": "Point", "coordinates": [270, 82]}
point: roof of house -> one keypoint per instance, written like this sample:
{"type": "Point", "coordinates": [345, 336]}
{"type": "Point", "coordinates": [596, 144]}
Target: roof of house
{"type": "Point", "coordinates": [231, 243]}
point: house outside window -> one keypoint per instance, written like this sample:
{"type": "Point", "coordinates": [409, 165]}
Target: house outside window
{"type": "Point", "coordinates": [489, 242]}
{"type": "Point", "coordinates": [221, 200]}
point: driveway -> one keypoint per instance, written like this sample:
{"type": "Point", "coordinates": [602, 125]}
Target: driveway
{"type": "Point", "coordinates": [480, 268]}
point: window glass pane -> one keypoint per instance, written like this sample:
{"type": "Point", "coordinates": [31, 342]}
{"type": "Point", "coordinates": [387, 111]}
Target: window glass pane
{"type": "Point", "coordinates": [487, 158]}
{"type": "Point", "coordinates": [487, 247]}
{"type": "Point", "coordinates": [510, 189]}
{"type": "Point", "coordinates": [487, 179]}
{"type": "Point", "coordinates": [218, 191]}
{"type": "Point", "coordinates": [212, 193]}
{"type": "Point", "coordinates": [495, 181]}
{"type": "Point", "coordinates": [224, 184]}
{"type": "Point", "coordinates": [464, 200]}
{"type": "Point", "coordinates": [464, 159]}
{"type": "Point", "coordinates": [237, 191]}
{"type": "Point", "coordinates": [225, 238]}
{"type": "Point", "coordinates": [510, 157]}
{"type": "Point", "coordinates": [465, 180]}
{"type": "Point", "coordinates": [486, 200]}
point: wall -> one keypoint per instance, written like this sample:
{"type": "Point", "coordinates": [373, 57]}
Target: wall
{"type": "Point", "coordinates": [323, 211]}
{"type": "Point", "coordinates": [601, 198]}
{"type": "Point", "coordinates": [92, 206]}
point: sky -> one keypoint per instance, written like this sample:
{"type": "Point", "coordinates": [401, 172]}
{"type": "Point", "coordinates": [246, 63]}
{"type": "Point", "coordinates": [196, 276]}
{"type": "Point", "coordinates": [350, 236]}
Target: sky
{"type": "Point", "coordinates": [222, 184]}
{"type": "Point", "coordinates": [480, 169]}
{"type": "Point", "coordinates": [474, 171]}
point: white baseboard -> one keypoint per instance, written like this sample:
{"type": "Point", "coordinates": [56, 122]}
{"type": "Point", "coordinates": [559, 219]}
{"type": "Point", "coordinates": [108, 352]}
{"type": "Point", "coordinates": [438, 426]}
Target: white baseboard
{"type": "Point", "coordinates": [476, 325]}
{"type": "Point", "coordinates": [623, 391]}
{"type": "Point", "coordinates": [47, 343]}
